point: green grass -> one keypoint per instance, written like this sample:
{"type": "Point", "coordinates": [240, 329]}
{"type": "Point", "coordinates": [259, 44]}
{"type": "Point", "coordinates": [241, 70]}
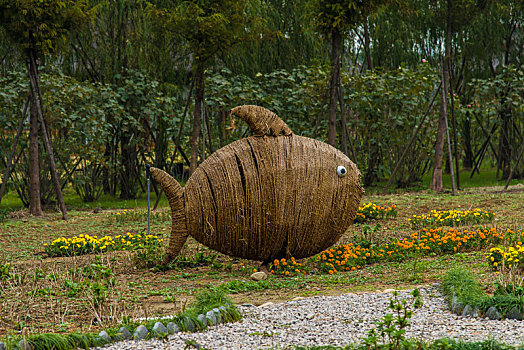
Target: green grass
{"type": "Point", "coordinates": [11, 201]}
{"type": "Point", "coordinates": [440, 344]}
{"type": "Point", "coordinates": [486, 178]}
{"type": "Point", "coordinates": [463, 284]}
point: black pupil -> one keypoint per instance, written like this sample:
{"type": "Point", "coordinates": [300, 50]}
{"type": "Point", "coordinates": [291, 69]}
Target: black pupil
{"type": "Point", "coordinates": [342, 171]}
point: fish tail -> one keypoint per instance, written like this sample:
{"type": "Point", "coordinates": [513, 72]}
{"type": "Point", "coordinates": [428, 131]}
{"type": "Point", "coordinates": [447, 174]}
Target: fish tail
{"type": "Point", "coordinates": [175, 196]}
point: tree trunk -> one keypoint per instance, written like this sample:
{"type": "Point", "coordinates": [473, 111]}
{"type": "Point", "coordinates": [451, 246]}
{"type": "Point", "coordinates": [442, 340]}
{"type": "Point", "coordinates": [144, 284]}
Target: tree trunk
{"type": "Point", "coordinates": [467, 162]}
{"type": "Point", "coordinates": [223, 121]}
{"type": "Point", "coordinates": [436, 179]}
{"type": "Point", "coordinates": [35, 206]}
{"type": "Point", "coordinates": [336, 40]}
{"type": "Point", "coordinates": [505, 147]}
{"type": "Point", "coordinates": [197, 115]}
{"type": "Point", "coordinates": [128, 175]}
{"type": "Point", "coordinates": [367, 44]}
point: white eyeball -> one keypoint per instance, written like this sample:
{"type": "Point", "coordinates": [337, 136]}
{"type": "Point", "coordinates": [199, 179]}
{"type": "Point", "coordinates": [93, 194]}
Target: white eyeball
{"type": "Point", "coordinates": [341, 171]}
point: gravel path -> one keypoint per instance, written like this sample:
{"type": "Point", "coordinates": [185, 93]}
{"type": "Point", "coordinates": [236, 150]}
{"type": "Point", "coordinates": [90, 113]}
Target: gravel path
{"type": "Point", "coordinates": [336, 320]}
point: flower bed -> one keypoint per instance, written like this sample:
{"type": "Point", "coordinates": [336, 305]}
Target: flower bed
{"type": "Point", "coordinates": [352, 256]}
{"type": "Point", "coordinates": [86, 244]}
{"type": "Point", "coordinates": [438, 218]}
{"type": "Point", "coordinates": [138, 215]}
{"type": "Point", "coordinates": [372, 211]}
{"type": "Point", "coordinates": [507, 257]}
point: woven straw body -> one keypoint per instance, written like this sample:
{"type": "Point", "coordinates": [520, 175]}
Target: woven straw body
{"type": "Point", "coordinates": [272, 197]}
{"type": "Point", "coordinates": [263, 198]}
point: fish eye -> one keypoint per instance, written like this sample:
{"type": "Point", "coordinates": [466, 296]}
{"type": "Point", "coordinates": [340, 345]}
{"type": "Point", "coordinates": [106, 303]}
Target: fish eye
{"type": "Point", "coordinates": [341, 171]}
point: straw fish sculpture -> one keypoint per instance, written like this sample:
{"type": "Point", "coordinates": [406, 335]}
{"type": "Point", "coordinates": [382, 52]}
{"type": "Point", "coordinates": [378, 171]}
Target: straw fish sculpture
{"type": "Point", "coordinates": [268, 196]}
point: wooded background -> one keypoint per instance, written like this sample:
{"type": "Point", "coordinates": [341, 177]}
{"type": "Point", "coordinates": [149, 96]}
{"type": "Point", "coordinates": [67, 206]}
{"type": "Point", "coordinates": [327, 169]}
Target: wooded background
{"type": "Point", "coordinates": [96, 89]}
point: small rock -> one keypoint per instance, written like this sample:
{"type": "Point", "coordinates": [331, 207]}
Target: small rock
{"type": "Point", "coordinates": [172, 328]}
{"type": "Point", "coordinates": [266, 304]}
{"type": "Point", "coordinates": [125, 334]}
{"type": "Point", "coordinates": [493, 314]}
{"type": "Point", "coordinates": [24, 345]}
{"type": "Point", "coordinates": [141, 332]}
{"type": "Point", "coordinates": [211, 318]}
{"type": "Point", "coordinates": [298, 298]}
{"type": "Point", "coordinates": [468, 311]}
{"type": "Point", "coordinates": [218, 315]}
{"type": "Point", "coordinates": [259, 276]}
{"type": "Point", "coordinates": [457, 308]}
{"type": "Point", "coordinates": [476, 312]}
{"type": "Point", "coordinates": [514, 314]}
{"type": "Point", "coordinates": [189, 325]}
{"type": "Point", "coordinates": [202, 319]}
{"type": "Point", "coordinates": [159, 330]}
{"type": "Point", "coordinates": [389, 290]}
{"type": "Point", "coordinates": [2, 346]}
{"type": "Point", "coordinates": [105, 336]}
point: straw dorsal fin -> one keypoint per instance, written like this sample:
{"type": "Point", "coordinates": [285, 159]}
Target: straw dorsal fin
{"type": "Point", "coordinates": [261, 121]}
{"type": "Point", "coordinates": [175, 196]}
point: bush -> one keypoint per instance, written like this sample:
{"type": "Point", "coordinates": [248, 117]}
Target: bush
{"type": "Point", "coordinates": [463, 284]}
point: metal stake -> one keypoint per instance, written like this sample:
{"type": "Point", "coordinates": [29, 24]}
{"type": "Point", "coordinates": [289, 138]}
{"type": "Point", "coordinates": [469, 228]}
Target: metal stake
{"type": "Point", "coordinates": [148, 177]}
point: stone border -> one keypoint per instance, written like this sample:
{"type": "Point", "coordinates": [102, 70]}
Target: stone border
{"type": "Point", "coordinates": [492, 313]}
{"type": "Point", "coordinates": [160, 330]}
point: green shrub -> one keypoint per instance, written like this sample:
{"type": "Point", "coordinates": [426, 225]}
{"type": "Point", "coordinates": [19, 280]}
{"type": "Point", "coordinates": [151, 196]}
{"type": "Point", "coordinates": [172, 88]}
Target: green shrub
{"type": "Point", "coordinates": [463, 284]}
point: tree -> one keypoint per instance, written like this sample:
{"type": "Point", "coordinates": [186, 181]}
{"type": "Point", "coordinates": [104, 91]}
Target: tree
{"type": "Point", "coordinates": [334, 19]}
{"type": "Point", "coordinates": [209, 28]}
{"type": "Point", "coordinates": [454, 15]}
{"type": "Point", "coordinates": [38, 29]}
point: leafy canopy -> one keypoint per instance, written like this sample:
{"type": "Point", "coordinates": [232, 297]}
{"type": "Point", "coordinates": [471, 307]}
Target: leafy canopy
{"type": "Point", "coordinates": [209, 27]}
{"type": "Point", "coordinates": [41, 26]}
{"type": "Point", "coordinates": [341, 15]}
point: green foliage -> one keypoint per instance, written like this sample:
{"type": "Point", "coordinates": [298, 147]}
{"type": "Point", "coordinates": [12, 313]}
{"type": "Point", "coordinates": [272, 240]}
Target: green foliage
{"type": "Point", "coordinates": [387, 106]}
{"type": "Point", "coordinates": [5, 272]}
{"type": "Point", "coordinates": [341, 15]}
{"type": "Point", "coordinates": [458, 12]}
{"type": "Point", "coordinates": [88, 119]}
{"type": "Point", "coordinates": [439, 344]}
{"type": "Point", "coordinates": [46, 341]}
{"type": "Point", "coordinates": [41, 26]}
{"type": "Point", "coordinates": [208, 27]}
{"type": "Point", "coordinates": [390, 333]}
{"type": "Point", "coordinates": [463, 284]}
{"type": "Point", "coordinates": [209, 299]}
{"type": "Point", "coordinates": [453, 344]}
{"type": "Point", "coordinates": [4, 215]}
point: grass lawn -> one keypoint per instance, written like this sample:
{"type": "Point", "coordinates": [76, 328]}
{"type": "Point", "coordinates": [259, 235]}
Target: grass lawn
{"type": "Point", "coordinates": [90, 292]}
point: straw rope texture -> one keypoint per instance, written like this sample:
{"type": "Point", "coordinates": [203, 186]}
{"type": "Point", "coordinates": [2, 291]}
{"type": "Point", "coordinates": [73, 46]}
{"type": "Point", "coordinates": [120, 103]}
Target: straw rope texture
{"type": "Point", "coordinates": [261, 121]}
{"type": "Point", "coordinates": [175, 196]}
{"type": "Point", "coordinates": [263, 198]}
